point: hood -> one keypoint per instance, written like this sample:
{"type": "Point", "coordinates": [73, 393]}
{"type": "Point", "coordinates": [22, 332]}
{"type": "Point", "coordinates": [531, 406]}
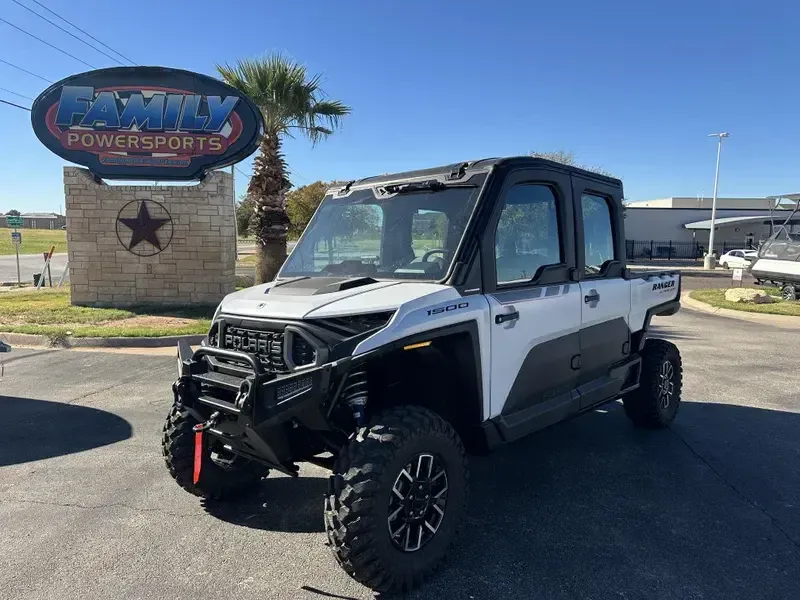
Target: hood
{"type": "Point", "coordinates": [324, 297]}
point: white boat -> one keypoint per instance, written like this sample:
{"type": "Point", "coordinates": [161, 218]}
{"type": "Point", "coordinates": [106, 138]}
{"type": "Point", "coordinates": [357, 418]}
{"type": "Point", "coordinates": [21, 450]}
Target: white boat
{"type": "Point", "coordinates": [778, 259]}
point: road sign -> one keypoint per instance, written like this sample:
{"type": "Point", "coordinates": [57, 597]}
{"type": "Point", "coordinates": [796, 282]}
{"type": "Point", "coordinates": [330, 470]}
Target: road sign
{"type": "Point", "coordinates": [16, 237]}
{"type": "Point", "coordinates": [13, 221]}
{"type": "Point", "coordinates": [737, 274]}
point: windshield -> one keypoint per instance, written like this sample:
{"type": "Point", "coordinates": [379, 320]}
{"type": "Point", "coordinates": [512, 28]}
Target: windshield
{"type": "Point", "coordinates": [411, 235]}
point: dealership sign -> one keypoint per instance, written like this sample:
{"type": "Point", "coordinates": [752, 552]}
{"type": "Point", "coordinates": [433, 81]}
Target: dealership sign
{"type": "Point", "coordinates": [147, 123]}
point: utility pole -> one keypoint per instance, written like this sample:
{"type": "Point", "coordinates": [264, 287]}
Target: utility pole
{"type": "Point", "coordinates": [709, 262]}
{"type": "Point", "coordinates": [235, 220]}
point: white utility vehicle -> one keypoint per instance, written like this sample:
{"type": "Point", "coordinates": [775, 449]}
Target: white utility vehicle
{"type": "Point", "coordinates": [421, 314]}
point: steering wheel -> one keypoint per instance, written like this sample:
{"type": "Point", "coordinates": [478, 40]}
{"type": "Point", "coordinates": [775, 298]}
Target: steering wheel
{"type": "Point", "coordinates": [427, 255]}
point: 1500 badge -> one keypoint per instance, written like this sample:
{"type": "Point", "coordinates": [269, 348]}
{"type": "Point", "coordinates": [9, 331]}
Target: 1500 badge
{"type": "Point", "coordinates": [664, 285]}
{"type": "Point", "coordinates": [448, 308]}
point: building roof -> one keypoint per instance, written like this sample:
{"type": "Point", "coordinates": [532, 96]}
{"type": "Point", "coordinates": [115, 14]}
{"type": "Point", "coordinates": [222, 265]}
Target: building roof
{"type": "Point", "coordinates": [39, 215]}
{"type": "Point", "coordinates": [727, 221]}
{"type": "Point", "coordinates": [677, 202]}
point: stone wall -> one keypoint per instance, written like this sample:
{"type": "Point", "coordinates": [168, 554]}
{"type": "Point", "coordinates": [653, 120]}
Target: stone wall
{"type": "Point", "coordinates": [168, 245]}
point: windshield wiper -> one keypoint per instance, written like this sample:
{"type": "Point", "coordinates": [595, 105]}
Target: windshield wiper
{"type": "Point", "coordinates": [424, 186]}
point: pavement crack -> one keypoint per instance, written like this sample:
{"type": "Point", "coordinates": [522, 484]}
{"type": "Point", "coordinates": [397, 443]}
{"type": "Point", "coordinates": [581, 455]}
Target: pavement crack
{"type": "Point", "coordinates": [100, 506]}
{"type": "Point", "coordinates": [775, 522]}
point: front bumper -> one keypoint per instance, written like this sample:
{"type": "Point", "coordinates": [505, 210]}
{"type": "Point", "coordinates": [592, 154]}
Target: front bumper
{"type": "Point", "coordinates": [256, 410]}
{"type": "Point", "coordinates": [257, 397]}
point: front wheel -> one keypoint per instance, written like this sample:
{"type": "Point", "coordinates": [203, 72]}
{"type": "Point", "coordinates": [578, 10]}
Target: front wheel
{"type": "Point", "coordinates": [654, 404]}
{"type": "Point", "coordinates": [222, 475]}
{"type": "Point", "coordinates": [789, 292]}
{"type": "Point", "coordinates": [396, 497]}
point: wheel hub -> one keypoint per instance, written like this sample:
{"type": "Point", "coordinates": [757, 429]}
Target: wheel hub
{"type": "Point", "coordinates": [417, 502]}
{"type": "Point", "coordinates": [666, 384]}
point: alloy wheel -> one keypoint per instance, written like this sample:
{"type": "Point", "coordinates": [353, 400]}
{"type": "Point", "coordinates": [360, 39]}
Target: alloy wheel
{"type": "Point", "coordinates": [418, 502]}
{"type": "Point", "coordinates": [666, 384]}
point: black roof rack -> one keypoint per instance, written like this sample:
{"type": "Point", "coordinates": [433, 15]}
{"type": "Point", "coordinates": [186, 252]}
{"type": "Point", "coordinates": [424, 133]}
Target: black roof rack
{"type": "Point", "coordinates": [460, 169]}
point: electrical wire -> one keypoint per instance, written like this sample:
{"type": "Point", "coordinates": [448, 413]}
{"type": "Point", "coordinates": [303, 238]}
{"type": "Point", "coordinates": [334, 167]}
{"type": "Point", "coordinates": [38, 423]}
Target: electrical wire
{"type": "Point", "coordinates": [2, 89]}
{"type": "Point", "coordinates": [5, 62]}
{"type": "Point", "coordinates": [46, 43]}
{"type": "Point", "coordinates": [17, 105]}
{"type": "Point", "coordinates": [86, 33]}
{"type": "Point", "coordinates": [56, 25]}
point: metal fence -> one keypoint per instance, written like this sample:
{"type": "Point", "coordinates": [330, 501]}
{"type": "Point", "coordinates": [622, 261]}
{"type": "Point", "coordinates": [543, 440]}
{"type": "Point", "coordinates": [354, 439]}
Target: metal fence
{"type": "Point", "coordinates": [662, 250]}
{"type": "Point", "coordinates": [672, 250]}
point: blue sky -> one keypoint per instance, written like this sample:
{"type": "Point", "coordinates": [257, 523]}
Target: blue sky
{"type": "Point", "coordinates": [624, 85]}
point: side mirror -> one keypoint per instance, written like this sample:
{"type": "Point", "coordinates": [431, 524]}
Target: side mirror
{"type": "Point", "coordinates": [4, 347]}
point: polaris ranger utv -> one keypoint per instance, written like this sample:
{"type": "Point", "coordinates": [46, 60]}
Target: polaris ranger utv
{"type": "Point", "coordinates": [421, 314]}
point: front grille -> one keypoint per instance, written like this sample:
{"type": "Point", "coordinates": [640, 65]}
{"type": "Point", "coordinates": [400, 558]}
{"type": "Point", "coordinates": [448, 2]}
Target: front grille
{"type": "Point", "coordinates": [266, 345]}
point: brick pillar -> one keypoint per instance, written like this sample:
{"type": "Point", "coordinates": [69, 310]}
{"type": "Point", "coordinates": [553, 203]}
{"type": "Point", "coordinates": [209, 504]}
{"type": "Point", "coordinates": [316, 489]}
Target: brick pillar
{"type": "Point", "coordinates": [196, 262]}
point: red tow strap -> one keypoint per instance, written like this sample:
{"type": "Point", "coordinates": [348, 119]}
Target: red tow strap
{"type": "Point", "coordinates": [198, 455]}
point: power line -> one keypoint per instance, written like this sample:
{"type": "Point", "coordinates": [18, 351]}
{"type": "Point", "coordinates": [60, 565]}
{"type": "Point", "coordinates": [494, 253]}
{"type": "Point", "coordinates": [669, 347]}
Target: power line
{"type": "Point", "coordinates": [82, 41]}
{"type": "Point", "coordinates": [86, 33]}
{"type": "Point", "coordinates": [17, 105]}
{"type": "Point", "coordinates": [242, 173]}
{"type": "Point", "coordinates": [2, 89]}
{"type": "Point", "coordinates": [5, 62]}
{"type": "Point", "coordinates": [296, 174]}
{"type": "Point", "coordinates": [91, 66]}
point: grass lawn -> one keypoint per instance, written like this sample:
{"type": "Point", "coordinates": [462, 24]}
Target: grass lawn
{"type": "Point", "coordinates": [48, 312]}
{"type": "Point", "coordinates": [34, 241]}
{"type": "Point", "coordinates": [779, 307]}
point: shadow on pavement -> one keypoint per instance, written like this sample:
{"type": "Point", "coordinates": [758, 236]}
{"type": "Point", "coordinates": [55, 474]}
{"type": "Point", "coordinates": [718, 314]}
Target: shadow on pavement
{"type": "Point", "coordinates": [38, 429]}
{"type": "Point", "coordinates": [281, 503]}
{"type": "Point", "coordinates": [594, 508]}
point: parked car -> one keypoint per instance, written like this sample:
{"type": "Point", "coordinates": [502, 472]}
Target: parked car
{"type": "Point", "coordinates": [737, 259]}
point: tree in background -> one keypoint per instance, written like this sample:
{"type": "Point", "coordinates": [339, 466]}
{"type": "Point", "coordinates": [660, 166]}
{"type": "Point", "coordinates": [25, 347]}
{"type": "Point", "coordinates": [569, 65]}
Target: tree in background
{"type": "Point", "coordinates": [568, 158]}
{"type": "Point", "coordinates": [13, 212]}
{"type": "Point", "coordinates": [301, 204]}
{"type": "Point", "coordinates": [245, 209]}
{"type": "Point", "coordinates": [290, 102]}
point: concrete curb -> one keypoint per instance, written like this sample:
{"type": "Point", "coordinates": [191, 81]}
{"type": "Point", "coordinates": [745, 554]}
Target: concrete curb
{"type": "Point", "coordinates": [783, 321]}
{"type": "Point", "coordinates": [25, 339]}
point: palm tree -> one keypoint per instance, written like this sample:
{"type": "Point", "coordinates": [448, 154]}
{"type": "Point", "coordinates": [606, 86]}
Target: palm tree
{"type": "Point", "coordinates": [291, 102]}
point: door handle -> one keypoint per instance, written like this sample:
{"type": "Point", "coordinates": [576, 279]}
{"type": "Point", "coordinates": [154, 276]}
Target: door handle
{"type": "Point", "coordinates": [512, 316]}
{"type": "Point", "coordinates": [592, 296]}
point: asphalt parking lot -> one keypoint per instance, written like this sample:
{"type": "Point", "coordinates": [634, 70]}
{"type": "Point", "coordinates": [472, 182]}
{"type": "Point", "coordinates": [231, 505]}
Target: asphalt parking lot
{"type": "Point", "coordinates": [591, 508]}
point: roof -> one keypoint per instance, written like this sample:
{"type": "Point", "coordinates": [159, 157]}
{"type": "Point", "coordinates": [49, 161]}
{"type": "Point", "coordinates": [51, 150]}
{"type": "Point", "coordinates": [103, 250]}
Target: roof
{"type": "Point", "coordinates": [39, 215]}
{"type": "Point", "coordinates": [726, 221]}
{"type": "Point", "coordinates": [482, 165]}
{"type": "Point", "coordinates": [687, 202]}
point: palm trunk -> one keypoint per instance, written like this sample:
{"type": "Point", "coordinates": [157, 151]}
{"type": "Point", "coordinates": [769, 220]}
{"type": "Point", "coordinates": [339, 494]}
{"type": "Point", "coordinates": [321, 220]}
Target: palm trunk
{"type": "Point", "coordinates": [270, 223]}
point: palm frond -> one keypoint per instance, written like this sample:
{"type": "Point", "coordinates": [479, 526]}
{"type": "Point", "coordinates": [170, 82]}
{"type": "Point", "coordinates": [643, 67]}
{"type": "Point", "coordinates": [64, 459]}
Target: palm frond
{"type": "Point", "coordinates": [287, 96]}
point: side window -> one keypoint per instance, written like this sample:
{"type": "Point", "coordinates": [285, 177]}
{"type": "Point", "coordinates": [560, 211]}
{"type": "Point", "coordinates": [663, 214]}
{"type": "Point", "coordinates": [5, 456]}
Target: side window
{"type": "Point", "coordinates": [598, 234]}
{"type": "Point", "coordinates": [527, 235]}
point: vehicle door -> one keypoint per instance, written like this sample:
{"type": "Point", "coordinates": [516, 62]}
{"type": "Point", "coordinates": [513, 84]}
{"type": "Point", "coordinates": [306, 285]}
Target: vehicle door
{"type": "Point", "coordinates": [527, 258]}
{"type": "Point", "coordinates": [737, 259]}
{"type": "Point", "coordinates": [605, 294]}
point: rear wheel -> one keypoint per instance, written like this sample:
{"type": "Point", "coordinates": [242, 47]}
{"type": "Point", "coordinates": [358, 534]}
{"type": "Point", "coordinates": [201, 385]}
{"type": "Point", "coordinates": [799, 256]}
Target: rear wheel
{"type": "Point", "coordinates": [396, 497]}
{"type": "Point", "coordinates": [654, 404]}
{"type": "Point", "coordinates": [789, 292]}
{"type": "Point", "coordinates": [222, 474]}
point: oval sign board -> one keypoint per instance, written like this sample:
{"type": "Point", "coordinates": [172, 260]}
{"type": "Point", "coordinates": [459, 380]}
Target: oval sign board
{"type": "Point", "coordinates": [147, 123]}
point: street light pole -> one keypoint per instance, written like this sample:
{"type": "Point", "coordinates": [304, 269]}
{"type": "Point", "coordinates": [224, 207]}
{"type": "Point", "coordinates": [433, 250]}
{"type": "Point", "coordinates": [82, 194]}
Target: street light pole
{"type": "Point", "coordinates": [709, 262]}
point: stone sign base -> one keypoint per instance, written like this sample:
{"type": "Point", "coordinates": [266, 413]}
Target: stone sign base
{"type": "Point", "coordinates": [134, 245]}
